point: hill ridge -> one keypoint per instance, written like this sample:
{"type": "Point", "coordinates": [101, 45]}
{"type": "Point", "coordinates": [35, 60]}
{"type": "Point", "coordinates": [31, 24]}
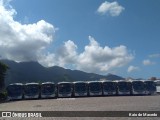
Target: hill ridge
{"type": "Point", "coordinates": [34, 72]}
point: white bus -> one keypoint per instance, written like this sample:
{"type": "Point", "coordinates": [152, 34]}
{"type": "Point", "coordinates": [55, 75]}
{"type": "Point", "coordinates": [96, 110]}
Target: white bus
{"type": "Point", "coordinates": [64, 89]}
{"type": "Point", "coordinates": [109, 87]}
{"type": "Point", "coordinates": [31, 91]}
{"type": "Point", "coordinates": [80, 88]}
{"type": "Point", "coordinates": [150, 87]}
{"type": "Point", "coordinates": [138, 87]}
{"type": "Point", "coordinates": [15, 91]}
{"type": "Point", "coordinates": [95, 88]}
{"type": "Point", "coordinates": [48, 90]}
{"type": "Point", "coordinates": [157, 82]}
{"type": "Point", "coordinates": [123, 87]}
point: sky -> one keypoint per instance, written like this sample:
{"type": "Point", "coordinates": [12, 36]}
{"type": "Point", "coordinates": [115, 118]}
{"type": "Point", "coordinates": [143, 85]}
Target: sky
{"type": "Point", "coordinates": [96, 36]}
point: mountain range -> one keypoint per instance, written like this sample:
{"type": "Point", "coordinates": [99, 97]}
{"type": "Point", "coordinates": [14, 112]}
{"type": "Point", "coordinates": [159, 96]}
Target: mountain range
{"type": "Point", "coordinates": [24, 72]}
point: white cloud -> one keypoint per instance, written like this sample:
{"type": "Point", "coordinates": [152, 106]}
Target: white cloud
{"type": "Point", "coordinates": [111, 8]}
{"type": "Point", "coordinates": [94, 58]}
{"type": "Point", "coordinates": [28, 42]}
{"type": "Point", "coordinates": [65, 55]}
{"type": "Point", "coordinates": [22, 42]}
{"type": "Point", "coordinates": [98, 59]}
{"type": "Point", "coordinates": [147, 62]}
{"type": "Point", "coordinates": [154, 55]}
{"type": "Point", "coordinates": [132, 68]}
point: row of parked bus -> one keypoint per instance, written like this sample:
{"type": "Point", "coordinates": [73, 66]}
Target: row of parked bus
{"type": "Point", "coordinates": [80, 89]}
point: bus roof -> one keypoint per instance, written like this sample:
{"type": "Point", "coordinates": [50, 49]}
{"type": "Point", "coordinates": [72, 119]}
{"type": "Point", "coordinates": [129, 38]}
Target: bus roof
{"type": "Point", "coordinates": [15, 84]}
{"type": "Point", "coordinates": [64, 82]}
{"type": "Point", "coordinates": [137, 81]}
{"type": "Point", "coordinates": [107, 81]}
{"type": "Point", "coordinates": [158, 81]}
{"type": "Point", "coordinates": [122, 81]}
{"type": "Point", "coordinates": [94, 81]}
{"type": "Point", "coordinates": [148, 81]}
{"type": "Point", "coordinates": [79, 82]}
{"type": "Point", "coordinates": [33, 83]}
{"type": "Point", "coordinates": [47, 83]}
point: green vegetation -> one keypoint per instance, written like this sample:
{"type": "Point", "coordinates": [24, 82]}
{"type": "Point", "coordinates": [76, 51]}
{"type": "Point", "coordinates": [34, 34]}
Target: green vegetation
{"type": "Point", "coordinates": [3, 70]}
{"type": "Point", "coordinates": [3, 95]}
{"type": "Point", "coordinates": [63, 78]}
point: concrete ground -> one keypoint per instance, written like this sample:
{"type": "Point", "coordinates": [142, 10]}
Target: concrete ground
{"type": "Point", "coordinates": [114, 103]}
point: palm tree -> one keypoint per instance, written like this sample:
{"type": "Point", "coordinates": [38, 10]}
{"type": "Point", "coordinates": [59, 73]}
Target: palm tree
{"type": "Point", "coordinates": [3, 70]}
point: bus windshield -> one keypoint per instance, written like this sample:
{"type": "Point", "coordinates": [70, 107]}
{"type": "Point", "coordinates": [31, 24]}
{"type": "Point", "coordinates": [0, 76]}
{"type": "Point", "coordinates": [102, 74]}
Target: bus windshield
{"type": "Point", "coordinates": [64, 87]}
{"type": "Point", "coordinates": [80, 87]}
{"type": "Point", "coordinates": [95, 86]}
{"type": "Point", "coordinates": [138, 85]}
{"type": "Point", "coordinates": [15, 90]}
{"type": "Point", "coordinates": [32, 89]}
{"type": "Point", "coordinates": [109, 86]}
{"type": "Point", "coordinates": [150, 85]}
{"type": "Point", "coordinates": [48, 88]}
{"type": "Point", "coordinates": [124, 86]}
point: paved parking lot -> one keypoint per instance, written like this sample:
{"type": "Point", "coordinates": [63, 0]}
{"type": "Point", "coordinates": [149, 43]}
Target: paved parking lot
{"type": "Point", "coordinates": [115, 103]}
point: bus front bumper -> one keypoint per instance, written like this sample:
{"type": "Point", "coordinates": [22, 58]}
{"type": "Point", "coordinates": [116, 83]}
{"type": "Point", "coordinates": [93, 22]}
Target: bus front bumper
{"type": "Point", "coordinates": [80, 94]}
{"type": "Point", "coordinates": [64, 95]}
{"type": "Point", "coordinates": [123, 93]}
{"type": "Point", "coordinates": [139, 93]}
{"type": "Point", "coordinates": [48, 96]}
{"type": "Point", "coordinates": [15, 98]}
{"type": "Point", "coordinates": [150, 92]}
{"type": "Point", "coordinates": [95, 93]}
{"type": "Point", "coordinates": [109, 93]}
{"type": "Point", "coordinates": [31, 97]}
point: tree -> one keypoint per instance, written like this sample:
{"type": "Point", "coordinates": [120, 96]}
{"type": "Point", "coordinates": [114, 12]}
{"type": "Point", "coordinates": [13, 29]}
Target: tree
{"type": "Point", "coordinates": [3, 70]}
{"type": "Point", "coordinates": [153, 78]}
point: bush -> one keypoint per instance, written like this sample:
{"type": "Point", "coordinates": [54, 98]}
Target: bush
{"type": "Point", "coordinates": [3, 96]}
